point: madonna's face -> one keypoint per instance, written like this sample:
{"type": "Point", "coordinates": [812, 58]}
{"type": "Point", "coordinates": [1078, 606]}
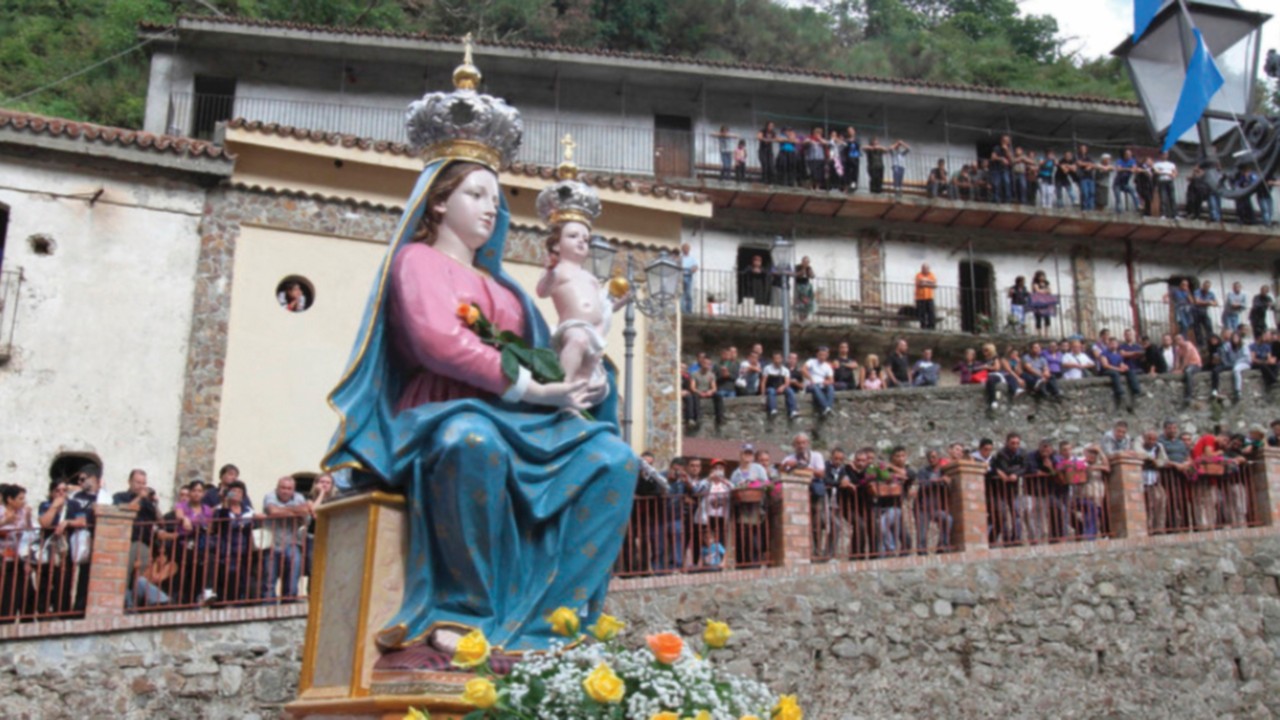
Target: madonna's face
{"type": "Point", "coordinates": [471, 211]}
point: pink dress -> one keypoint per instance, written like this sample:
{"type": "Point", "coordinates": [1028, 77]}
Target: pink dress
{"type": "Point", "coordinates": [444, 358]}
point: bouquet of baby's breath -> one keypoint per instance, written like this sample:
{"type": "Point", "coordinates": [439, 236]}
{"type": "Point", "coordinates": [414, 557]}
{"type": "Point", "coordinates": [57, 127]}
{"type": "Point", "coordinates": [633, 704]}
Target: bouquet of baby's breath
{"type": "Point", "coordinates": [595, 677]}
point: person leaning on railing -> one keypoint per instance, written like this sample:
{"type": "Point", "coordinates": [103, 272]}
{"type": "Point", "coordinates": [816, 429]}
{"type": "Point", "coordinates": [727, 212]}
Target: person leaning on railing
{"type": "Point", "coordinates": [17, 538]}
{"type": "Point", "coordinates": [287, 513]}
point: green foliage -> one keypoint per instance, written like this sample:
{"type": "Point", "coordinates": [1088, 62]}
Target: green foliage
{"type": "Point", "coordinates": [984, 42]}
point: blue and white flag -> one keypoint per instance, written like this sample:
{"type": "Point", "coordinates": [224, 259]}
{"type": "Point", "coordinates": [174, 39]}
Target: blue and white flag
{"type": "Point", "coordinates": [1202, 82]}
{"type": "Point", "coordinates": [1144, 11]}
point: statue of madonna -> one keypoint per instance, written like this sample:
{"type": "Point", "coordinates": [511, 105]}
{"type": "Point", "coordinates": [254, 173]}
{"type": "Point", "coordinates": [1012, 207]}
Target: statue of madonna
{"type": "Point", "coordinates": [516, 502]}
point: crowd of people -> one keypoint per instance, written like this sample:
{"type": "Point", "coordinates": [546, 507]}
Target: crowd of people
{"type": "Point", "coordinates": [705, 516]}
{"type": "Point", "coordinates": [202, 551]}
{"type": "Point", "coordinates": [1037, 369]}
{"type": "Point", "coordinates": [830, 159]}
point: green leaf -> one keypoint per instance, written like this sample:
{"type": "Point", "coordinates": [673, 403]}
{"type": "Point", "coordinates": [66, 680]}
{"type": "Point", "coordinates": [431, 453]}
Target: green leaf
{"type": "Point", "coordinates": [510, 338]}
{"type": "Point", "coordinates": [544, 364]}
{"type": "Point", "coordinates": [475, 715]}
{"type": "Point", "coordinates": [510, 364]}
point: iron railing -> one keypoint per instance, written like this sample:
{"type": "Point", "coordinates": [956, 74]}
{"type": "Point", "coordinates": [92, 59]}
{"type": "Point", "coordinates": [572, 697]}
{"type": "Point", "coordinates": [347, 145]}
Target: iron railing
{"type": "Point", "coordinates": [10, 285]}
{"type": "Point", "coordinates": [878, 520]}
{"type": "Point", "coordinates": [636, 148]}
{"type": "Point", "coordinates": [699, 533]}
{"type": "Point", "coordinates": [1215, 493]}
{"type": "Point", "coordinates": [1065, 506]}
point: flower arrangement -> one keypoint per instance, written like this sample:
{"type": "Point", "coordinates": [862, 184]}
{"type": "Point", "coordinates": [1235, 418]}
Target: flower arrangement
{"type": "Point", "coordinates": [541, 363]}
{"type": "Point", "coordinates": [594, 676]}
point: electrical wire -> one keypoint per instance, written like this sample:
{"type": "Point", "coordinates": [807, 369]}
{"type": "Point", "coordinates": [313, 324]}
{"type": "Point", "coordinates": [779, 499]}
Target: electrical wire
{"type": "Point", "coordinates": [84, 70]}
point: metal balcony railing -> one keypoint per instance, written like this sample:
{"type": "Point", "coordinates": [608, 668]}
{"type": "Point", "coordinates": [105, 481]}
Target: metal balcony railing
{"type": "Point", "coordinates": [10, 284]}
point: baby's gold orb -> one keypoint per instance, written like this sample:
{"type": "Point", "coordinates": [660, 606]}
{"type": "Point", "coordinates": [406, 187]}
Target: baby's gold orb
{"type": "Point", "coordinates": [619, 286]}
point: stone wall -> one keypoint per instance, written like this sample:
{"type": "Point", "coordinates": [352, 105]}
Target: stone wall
{"type": "Point", "coordinates": [920, 418]}
{"type": "Point", "coordinates": [1187, 629]}
{"type": "Point", "coordinates": [1163, 627]}
{"type": "Point", "coordinates": [241, 671]}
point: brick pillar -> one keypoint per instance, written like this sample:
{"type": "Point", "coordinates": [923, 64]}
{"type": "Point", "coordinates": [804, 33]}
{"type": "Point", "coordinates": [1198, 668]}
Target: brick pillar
{"type": "Point", "coordinates": [969, 504]}
{"type": "Point", "coordinates": [109, 562]}
{"type": "Point", "coordinates": [792, 538]}
{"type": "Point", "coordinates": [1266, 486]}
{"type": "Point", "coordinates": [1126, 498]}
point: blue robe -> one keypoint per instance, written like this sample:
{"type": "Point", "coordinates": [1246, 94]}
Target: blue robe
{"type": "Point", "coordinates": [515, 510]}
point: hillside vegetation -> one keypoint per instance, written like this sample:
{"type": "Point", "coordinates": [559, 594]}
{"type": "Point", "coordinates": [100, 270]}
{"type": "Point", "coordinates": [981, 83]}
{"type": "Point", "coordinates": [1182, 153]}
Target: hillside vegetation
{"type": "Point", "coordinates": [982, 42]}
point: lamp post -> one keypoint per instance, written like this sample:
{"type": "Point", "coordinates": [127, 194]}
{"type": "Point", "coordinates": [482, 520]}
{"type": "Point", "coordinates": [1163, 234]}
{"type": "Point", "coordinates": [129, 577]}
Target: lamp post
{"type": "Point", "coordinates": [662, 280]}
{"type": "Point", "coordinates": [783, 253]}
{"type": "Point", "coordinates": [1157, 66]}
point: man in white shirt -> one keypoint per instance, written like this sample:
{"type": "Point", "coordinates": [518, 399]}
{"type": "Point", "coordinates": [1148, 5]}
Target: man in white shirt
{"type": "Point", "coordinates": [748, 381]}
{"type": "Point", "coordinates": [820, 379]}
{"type": "Point", "coordinates": [688, 267]}
{"type": "Point", "coordinates": [288, 513]}
{"type": "Point", "coordinates": [804, 457]}
{"type": "Point", "coordinates": [1168, 352]}
{"type": "Point", "coordinates": [1075, 362]}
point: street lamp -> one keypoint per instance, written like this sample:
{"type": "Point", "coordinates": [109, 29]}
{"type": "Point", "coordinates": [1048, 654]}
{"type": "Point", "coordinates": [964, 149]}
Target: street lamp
{"type": "Point", "coordinates": [662, 284]}
{"type": "Point", "coordinates": [1157, 66]}
{"type": "Point", "coordinates": [783, 253]}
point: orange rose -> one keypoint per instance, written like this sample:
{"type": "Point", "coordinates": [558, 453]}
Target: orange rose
{"type": "Point", "coordinates": [468, 313]}
{"type": "Point", "coordinates": [666, 647]}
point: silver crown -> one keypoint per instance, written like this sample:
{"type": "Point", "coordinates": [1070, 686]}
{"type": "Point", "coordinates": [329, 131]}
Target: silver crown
{"type": "Point", "coordinates": [569, 199]}
{"type": "Point", "coordinates": [465, 124]}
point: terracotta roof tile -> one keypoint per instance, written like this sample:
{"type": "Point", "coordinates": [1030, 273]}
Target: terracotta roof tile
{"type": "Point", "coordinates": [641, 57]}
{"type": "Point", "coordinates": [599, 180]}
{"type": "Point", "coordinates": [89, 132]}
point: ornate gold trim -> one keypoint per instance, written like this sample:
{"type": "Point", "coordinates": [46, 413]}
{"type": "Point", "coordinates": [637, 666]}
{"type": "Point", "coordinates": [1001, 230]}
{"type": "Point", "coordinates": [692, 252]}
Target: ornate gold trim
{"type": "Point", "coordinates": [561, 217]}
{"type": "Point", "coordinates": [471, 150]}
{"type": "Point", "coordinates": [373, 510]}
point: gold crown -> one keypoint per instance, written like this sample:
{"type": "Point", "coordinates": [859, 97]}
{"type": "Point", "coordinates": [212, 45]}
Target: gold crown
{"type": "Point", "coordinates": [465, 124]}
{"type": "Point", "coordinates": [569, 199]}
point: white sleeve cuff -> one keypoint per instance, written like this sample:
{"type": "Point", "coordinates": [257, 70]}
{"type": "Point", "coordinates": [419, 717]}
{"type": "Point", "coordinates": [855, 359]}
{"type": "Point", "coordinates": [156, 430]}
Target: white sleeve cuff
{"type": "Point", "coordinates": [516, 392]}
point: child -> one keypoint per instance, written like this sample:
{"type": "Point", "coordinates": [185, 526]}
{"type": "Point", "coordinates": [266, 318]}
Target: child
{"type": "Point", "coordinates": [712, 551]}
{"type": "Point", "coordinates": [740, 161]}
{"type": "Point", "coordinates": [580, 302]}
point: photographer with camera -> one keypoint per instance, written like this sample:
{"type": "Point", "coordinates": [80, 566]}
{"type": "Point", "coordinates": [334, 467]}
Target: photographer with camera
{"type": "Point", "coordinates": [140, 500]}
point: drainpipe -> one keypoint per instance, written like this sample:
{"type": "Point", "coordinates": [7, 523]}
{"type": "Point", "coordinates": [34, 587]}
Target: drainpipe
{"type": "Point", "coordinates": [1134, 302]}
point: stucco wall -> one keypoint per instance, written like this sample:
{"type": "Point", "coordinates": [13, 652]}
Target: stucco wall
{"type": "Point", "coordinates": [102, 322]}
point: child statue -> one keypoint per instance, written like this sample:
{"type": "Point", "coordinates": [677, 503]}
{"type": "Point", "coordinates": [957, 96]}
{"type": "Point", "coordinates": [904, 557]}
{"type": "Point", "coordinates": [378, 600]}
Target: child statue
{"type": "Point", "coordinates": [585, 306]}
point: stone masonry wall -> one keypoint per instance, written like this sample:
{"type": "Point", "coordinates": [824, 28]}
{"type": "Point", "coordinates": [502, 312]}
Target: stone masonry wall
{"type": "Point", "coordinates": [1165, 627]}
{"type": "Point", "coordinates": [920, 418]}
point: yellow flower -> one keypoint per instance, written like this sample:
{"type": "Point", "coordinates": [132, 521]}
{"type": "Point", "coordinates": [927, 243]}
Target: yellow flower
{"type": "Point", "coordinates": [472, 650]}
{"type": "Point", "coordinates": [607, 628]}
{"type": "Point", "coordinates": [702, 715]}
{"type": "Point", "coordinates": [481, 693]}
{"type": "Point", "coordinates": [564, 622]}
{"type": "Point", "coordinates": [787, 709]}
{"type": "Point", "coordinates": [416, 714]}
{"type": "Point", "coordinates": [717, 634]}
{"type": "Point", "coordinates": [748, 717]}
{"type": "Point", "coordinates": [603, 685]}
{"type": "Point", "coordinates": [665, 715]}
{"type": "Point", "coordinates": [468, 313]}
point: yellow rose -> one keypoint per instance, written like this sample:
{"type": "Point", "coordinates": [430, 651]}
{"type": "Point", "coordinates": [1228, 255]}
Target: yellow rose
{"type": "Point", "coordinates": [787, 709]}
{"type": "Point", "coordinates": [416, 714]}
{"type": "Point", "coordinates": [607, 628]}
{"type": "Point", "coordinates": [717, 634]}
{"type": "Point", "coordinates": [603, 685]}
{"type": "Point", "coordinates": [472, 650]}
{"type": "Point", "coordinates": [702, 715]}
{"type": "Point", "coordinates": [564, 622]}
{"type": "Point", "coordinates": [481, 693]}
{"type": "Point", "coordinates": [665, 715]}
{"type": "Point", "coordinates": [748, 717]}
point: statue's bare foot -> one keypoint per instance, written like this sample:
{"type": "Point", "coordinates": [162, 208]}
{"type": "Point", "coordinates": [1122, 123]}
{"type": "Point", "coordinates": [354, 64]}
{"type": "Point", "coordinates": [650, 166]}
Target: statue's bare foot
{"type": "Point", "coordinates": [445, 640]}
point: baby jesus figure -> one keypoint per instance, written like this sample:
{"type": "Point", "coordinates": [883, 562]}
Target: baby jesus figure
{"type": "Point", "coordinates": [585, 306]}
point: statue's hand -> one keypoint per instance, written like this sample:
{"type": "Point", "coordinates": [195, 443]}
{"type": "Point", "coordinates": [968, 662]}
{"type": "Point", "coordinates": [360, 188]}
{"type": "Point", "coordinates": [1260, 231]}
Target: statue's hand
{"type": "Point", "coordinates": [597, 391]}
{"type": "Point", "coordinates": [567, 395]}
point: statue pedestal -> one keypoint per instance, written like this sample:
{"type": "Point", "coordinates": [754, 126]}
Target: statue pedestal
{"type": "Point", "coordinates": [357, 584]}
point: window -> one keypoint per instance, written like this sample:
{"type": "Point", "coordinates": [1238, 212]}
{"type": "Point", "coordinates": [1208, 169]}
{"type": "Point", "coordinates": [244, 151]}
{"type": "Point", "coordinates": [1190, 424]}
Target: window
{"type": "Point", "coordinates": [295, 293]}
{"type": "Point", "coordinates": [214, 102]}
{"type": "Point", "coordinates": [67, 464]}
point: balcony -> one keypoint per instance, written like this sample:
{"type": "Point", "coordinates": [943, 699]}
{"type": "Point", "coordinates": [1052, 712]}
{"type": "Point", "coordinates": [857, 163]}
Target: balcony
{"type": "Point", "coordinates": [10, 284]}
{"type": "Point", "coordinates": [721, 294]}
{"type": "Point", "coordinates": [691, 160]}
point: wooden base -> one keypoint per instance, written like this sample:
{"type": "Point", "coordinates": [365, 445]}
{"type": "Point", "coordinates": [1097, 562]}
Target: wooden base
{"type": "Point", "coordinates": [378, 707]}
